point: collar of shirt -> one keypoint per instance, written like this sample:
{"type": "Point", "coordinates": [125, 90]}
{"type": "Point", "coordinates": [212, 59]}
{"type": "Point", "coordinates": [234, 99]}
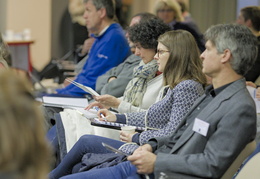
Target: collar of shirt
{"type": "Point", "coordinates": [102, 32]}
{"type": "Point", "coordinates": [214, 92]}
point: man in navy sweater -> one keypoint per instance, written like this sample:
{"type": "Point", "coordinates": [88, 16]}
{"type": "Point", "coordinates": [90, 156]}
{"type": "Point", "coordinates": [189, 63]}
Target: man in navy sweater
{"type": "Point", "coordinates": [109, 49]}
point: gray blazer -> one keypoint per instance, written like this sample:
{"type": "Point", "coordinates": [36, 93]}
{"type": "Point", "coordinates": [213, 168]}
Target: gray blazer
{"type": "Point", "coordinates": [123, 73]}
{"type": "Point", "coordinates": [232, 125]}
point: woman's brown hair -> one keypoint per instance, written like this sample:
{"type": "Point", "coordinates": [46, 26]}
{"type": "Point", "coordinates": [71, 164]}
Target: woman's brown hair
{"type": "Point", "coordinates": [184, 62]}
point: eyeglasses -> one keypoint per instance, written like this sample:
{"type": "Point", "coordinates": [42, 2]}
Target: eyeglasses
{"type": "Point", "coordinates": [161, 52]}
{"type": "Point", "coordinates": [165, 10]}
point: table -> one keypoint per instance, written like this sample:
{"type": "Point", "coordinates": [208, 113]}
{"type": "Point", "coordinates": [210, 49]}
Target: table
{"type": "Point", "coordinates": [21, 54]}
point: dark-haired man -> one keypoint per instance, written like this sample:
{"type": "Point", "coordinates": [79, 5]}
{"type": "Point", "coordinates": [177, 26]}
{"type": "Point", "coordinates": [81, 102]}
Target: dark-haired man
{"type": "Point", "coordinates": [250, 17]}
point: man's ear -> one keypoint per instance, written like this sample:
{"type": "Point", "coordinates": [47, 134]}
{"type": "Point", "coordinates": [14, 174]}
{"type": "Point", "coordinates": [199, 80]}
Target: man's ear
{"type": "Point", "coordinates": [248, 23]}
{"type": "Point", "coordinates": [226, 56]}
{"type": "Point", "coordinates": [103, 12]}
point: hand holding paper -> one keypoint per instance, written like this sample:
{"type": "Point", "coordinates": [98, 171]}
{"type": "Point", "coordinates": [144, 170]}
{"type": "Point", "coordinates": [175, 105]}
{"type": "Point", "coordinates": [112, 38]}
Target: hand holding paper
{"type": "Point", "coordinates": [108, 101]}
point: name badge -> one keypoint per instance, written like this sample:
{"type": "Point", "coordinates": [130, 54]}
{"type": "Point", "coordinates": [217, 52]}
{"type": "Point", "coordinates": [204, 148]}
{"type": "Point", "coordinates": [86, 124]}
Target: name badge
{"type": "Point", "coordinates": [201, 127]}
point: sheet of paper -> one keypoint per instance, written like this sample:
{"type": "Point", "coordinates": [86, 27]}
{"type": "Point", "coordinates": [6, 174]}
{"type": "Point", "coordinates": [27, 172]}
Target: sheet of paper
{"type": "Point", "coordinates": [63, 101]}
{"type": "Point", "coordinates": [91, 91]}
{"type": "Point", "coordinates": [87, 113]}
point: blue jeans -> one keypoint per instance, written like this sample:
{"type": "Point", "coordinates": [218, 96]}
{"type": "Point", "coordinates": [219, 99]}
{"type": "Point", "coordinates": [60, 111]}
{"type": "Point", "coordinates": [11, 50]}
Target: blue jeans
{"type": "Point", "coordinates": [86, 144]}
{"type": "Point", "coordinates": [124, 170]}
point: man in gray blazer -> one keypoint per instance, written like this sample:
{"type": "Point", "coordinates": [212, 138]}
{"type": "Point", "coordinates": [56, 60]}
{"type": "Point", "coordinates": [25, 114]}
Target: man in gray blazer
{"type": "Point", "coordinates": [220, 124]}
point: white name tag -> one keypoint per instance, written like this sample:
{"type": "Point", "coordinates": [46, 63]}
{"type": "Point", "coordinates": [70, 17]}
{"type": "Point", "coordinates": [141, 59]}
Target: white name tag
{"type": "Point", "coordinates": [200, 127]}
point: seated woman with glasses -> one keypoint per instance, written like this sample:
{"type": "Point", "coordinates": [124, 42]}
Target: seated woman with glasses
{"type": "Point", "coordinates": [178, 58]}
{"type": "Point", "coordinates": [143, 90]}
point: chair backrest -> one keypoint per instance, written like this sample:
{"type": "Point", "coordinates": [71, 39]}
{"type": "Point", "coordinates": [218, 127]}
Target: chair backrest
{"type": "Point", "coordinates": [239, 160]}
{"type": "Point", "coordinates": [251, 168]}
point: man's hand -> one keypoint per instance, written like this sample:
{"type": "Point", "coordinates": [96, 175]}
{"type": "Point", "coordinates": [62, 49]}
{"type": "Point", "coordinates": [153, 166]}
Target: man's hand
{"type": "Point", "coordinates": [111, 79]}
{"type": "Point", "coordinates": [87, 45]}
{"type": "Point", "coordinates": [66, 83]}
{"type": "Point", "coordinates": [143, 159]}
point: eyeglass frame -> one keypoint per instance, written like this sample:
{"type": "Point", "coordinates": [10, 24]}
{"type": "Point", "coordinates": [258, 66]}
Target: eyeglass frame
{"type": "Point", "coordinates": [164, 10]}
{"type": "Point", "coordinates": [161, 52]}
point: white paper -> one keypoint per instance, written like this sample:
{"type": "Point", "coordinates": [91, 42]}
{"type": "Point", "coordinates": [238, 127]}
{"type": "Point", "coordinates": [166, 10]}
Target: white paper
{"type": "Point", "coordinates": [91, 91]}
{"type": "Point", "coordinates": [87, 113]}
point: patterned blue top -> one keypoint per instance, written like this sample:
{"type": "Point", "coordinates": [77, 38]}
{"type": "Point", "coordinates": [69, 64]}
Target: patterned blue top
{"type": "Point", "coordinates": [163, 117]}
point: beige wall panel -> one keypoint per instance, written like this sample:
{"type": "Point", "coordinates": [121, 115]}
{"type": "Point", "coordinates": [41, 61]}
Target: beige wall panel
{"type": "Point", "coordinates": [35, 15]}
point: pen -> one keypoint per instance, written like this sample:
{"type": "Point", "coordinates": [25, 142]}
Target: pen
{"type": "Point", "coordinates": [102, 115]}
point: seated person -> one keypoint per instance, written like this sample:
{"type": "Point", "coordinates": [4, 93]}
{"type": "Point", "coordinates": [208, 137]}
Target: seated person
{"type": "Point", "coordinates": [114, 81]}
{"type": "Point", "coordinates": [137, 97]}
{"type": "Point", "coordinates": [24, 151]}
{"type": "Point", "coordinates": [109, 49]}
{"type": "Point", "coordinates": [170, 12]}
{"type": "Point", "coordinates": [142, 91]}
{"type": "Point", "coordinates": [216, 129]}
{"type": "Point", "coordinates": [250, 17]}
{"type": "Point", "coordinates": [5, 57]}
{"type": "Point", "coordinates": [183, 86]}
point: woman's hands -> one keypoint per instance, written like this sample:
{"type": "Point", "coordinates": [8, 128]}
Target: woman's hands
{"type": "Point", "coordinates": [126, 137]}
{"type": "Point", "coordinates": [109, 116]}
{"type": "Point", "coordinates": [108, 100]}
{"type": "Point", "coordinates": [104, 101]}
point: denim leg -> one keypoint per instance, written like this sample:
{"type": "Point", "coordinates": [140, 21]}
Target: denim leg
{"type": "Point", "coordinates": [51, 134]}
{"type": "Point", "coordinates": [86, 144]}
{"type": "Point", "coordinates": [52, 138]}
{"type": "Point", "coordinates": [121, 171]}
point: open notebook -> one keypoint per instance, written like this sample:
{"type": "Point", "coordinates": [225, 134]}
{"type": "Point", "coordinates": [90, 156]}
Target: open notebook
{"type": "Point", "coordinates": [64, 101]}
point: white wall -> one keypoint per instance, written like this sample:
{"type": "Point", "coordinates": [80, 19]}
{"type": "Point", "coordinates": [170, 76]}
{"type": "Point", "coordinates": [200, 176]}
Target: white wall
{"type": "Point", "coordinates": [35, 15]}
{"type": "Point", "coordinates": [2, 15]}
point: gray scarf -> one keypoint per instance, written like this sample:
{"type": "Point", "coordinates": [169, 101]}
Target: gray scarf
{"type": "Point", "coordinates": [136, 88]}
